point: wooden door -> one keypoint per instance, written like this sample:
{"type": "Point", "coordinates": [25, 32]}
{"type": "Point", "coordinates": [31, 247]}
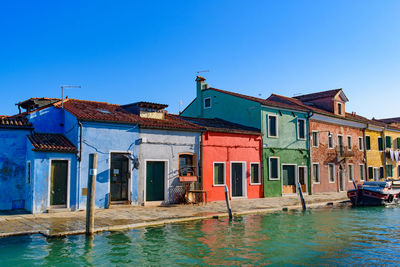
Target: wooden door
{"type": "Point", "coordinates": [237, 179]}
{"type": "Point", "coordinates": [155, 179]}
{"type": "Point", "coordinates": [59, 183]}
{"type": "Point", "coordinates": [289, 179]}
{"type": "Point", "coordinates": [119, 177]}
{"type": "Point", "coordinates": [303, 179]}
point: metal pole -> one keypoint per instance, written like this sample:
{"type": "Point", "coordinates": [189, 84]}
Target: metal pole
{"type": "Point", "coordinates": [228, 205]}
{"type": "Point", "coordinates": [62, 97]}
{"type": "Point", "coordinates": [91, 194]}
{"type": "Point", "coordinates": [303, 203]}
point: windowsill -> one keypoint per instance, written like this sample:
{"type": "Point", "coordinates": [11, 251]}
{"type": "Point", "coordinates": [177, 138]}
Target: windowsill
{"type": "Point", "coordinates": [332, 182]}
{"type": "Point", "coordinates": [274, 179]}
{"type": "Point", "coordinates": [218, 185]}
{"type": "Point", "coordinates": [316, 182]}
{"type": "Point", "coordinates": [273, 136]}
{"type": "Point", "coordinates": [301, 139]}
{"type": "Point", "coordinates": [255, 183]}
{"type": "Point", "coordinates": [331, 148]}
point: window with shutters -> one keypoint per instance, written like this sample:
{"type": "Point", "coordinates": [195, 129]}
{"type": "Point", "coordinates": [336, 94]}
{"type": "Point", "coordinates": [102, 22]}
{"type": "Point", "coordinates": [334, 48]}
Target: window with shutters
{"type": "Point", "coordinates": [315, 140]}
{"type": "Point", "coordinates": [362, 174]}
{"type": "Point", "coordinates": [351, 172]}
{"type": "Point", "coordinates": [272, 126]}
{"type": "Point", "coordinates": [381, 173]}
{"type": "Point", "coordinates": [398, 142]}
{"type": "Point", "coordinates": [219, 173]}
{"type": "Point", "coordinates": [360, 143]}
{"type": "Point", "coordinates": [301, 129]}
{"type": "Point", "coordinates": [380, 143]}
{"type": "Point", "coordinates": [370, 173]}
{"type": "Point", "coordinates": [330, 141]}
{"type": "Point", "coordinates": [349, 142]}
{"type": "Point", "coordinates": [367, 142]}
{"type": "Point", "coordinates": [388, 141]}
{"type": "Point", "coordinates": [331, 168]}
{"type": "Point", "coordinates": [207, 102]}
{"type": "Point", "coordinates": [255, 173]}
{"type": "Point", "coordinates": [28, 172]}
{"type": "Point", "coordinates": [389, 170]}
{"type": "Point", "coordinates": [274, 168]}
{"type": "Point", "coordinates": [315, 173]}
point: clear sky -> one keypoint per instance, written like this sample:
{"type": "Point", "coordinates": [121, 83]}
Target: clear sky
{"type": "Point", "coordinates": [128, 51]}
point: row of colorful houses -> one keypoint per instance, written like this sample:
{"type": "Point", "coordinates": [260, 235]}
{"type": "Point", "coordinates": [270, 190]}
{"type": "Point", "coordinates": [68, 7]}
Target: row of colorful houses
{"type": "Point", "coordinates": [256, 147]}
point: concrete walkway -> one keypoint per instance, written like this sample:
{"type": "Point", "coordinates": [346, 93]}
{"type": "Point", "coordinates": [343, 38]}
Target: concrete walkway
{"type": "Point", "coordinates": [126, 217]}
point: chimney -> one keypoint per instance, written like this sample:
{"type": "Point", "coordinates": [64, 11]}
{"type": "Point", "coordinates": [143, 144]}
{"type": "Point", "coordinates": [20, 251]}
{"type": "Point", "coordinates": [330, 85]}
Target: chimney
{"type": "Point", "coordinates": [200, 85]}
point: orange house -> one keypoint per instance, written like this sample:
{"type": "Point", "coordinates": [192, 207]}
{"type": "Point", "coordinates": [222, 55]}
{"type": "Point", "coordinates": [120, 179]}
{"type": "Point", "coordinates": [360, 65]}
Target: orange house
{"type": "Point", "coordinates": [230, 155]}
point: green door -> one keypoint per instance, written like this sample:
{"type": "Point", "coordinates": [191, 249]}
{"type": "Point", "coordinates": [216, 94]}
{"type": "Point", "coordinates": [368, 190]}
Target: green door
{"type": "Point", "coordinates": [59, 183]}
{"type": "Point", "coordinates": [155, 177]}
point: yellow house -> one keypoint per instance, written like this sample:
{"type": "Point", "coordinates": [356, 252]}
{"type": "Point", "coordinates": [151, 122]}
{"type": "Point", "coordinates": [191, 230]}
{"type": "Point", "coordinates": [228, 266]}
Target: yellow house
{"type": "Point", "coordinates": [392, 152]}
{"type": "Point", "coordinates": [374, 151]}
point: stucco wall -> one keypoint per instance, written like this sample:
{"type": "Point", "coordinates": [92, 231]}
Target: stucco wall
{"type": "Point", "coordinates": [12, 168]}
{"type": "Point", "coordinates": [225, 147]}
{"type": "Point", "coordinates": [324, 155]}
{"type": "Point", "coordinates": [165, 145]}
{"type": "Point", "coordinates": [389, 161]}
{"type": "Point", "coordinates": [375, 158]}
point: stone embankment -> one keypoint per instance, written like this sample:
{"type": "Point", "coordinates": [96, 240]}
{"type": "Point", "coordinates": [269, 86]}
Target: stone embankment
{"type": "Point", "coordinates": [127, 217]}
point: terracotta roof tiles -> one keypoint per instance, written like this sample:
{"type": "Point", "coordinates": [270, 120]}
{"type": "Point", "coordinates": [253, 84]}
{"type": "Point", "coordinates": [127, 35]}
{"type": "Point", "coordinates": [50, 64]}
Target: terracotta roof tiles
{"type": "Point", "coordinates": [51, 142]}
{"type": "Point", "coordinates": [312, 96]}
{"type": "Point", "coordinates": [220, 125]}
{"type": "Point", "coordinates": [14, 122]}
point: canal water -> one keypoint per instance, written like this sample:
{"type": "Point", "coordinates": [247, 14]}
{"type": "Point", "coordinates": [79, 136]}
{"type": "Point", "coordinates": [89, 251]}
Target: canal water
{"type": "Point", "coordinates": [349, 236]}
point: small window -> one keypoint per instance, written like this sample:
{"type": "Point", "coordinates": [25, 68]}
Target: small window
{"type": "Point", "coordinates": [339, 108]}
{"type": "Point", "coordinates": [331, 167]}
{"type": "Point", "coordinates": [367, 142]}
{"type": "Point", "coordinates": [389, 170]}
{"type": "Point", "coordinates": [272, 126]}
{"type": "Point", "coordinates": [370, 173]}
{"type": "Point", "coordinates": [380, 144]}
{"type": "Point", "coordinates": [315, 140]}
{"type": "Point", "coordinates": [351, 172]}
{"type": "Point", "coordinates": [349, 142]}
{"type": "Point", "coordinates": [388, 141]}
{"type": "Point", "coordinates": [381, 173]}
{"type": "Point", "coordinates": [315, 172]}
{"type": "Point", "coordinates": [362, 174]}
{"type": "Point", "coordinates": [28, 172]}
{"type": "Point", "coordinates": [255, 173]}
{"type": "Point", "coordinates": [187, 165]}
{"type": "Point", "coordinates": [219, 173]}
{"type": "Point", "coordinates": [330, 141]}
{"type": "Point", "coordinates": [274, 168]}
{"type": "Point", "coordinates": [207, 102]}
{"type": "Point", "coordinates": [301, 129]}
{"type": "Point", "coordinates": [360, 143]}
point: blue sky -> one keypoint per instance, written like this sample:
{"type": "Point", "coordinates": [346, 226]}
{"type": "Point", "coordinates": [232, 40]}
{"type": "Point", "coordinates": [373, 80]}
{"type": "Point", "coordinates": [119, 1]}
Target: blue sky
{"type": "Point", "coordinates": [128, 51]}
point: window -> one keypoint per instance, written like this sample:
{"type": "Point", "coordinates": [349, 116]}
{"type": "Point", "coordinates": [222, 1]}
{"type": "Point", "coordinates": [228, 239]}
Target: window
{"type": "Point", "coordinates": [367, 142]}
{"type": "Point", "coordinates": [360, 143]}
{"type": "Point", "coordinates": [349, 142]}
{"type": "Point", "coordinates": [207, 102]}
{"type": "Point", "coordinates": [331, 167]}
{"type": "Point", "coordinates": [187, 165]}
{"type": "Point", "coordinates": [389, 170]}
{"type": "Point", "coordinates": [315, 140]}
{"type": "Point", "coordinates": [219, 173]}
{"type": "Point", "coordinates": [381, 173]}
{"type": "Point", "coordinates": [301, 129]}
{"type": "Point", "coordinates": [339, 108]}
{"type": "Point", "coordinates": [370, 173]}
{"type": "Point", "coordinates": [351, 172]}
{"type": "Point", "coordinates": [28, 172]}
{"type": "Point", "coordinates": [398, 171]}
{"type": "Point", "coordinates": [315, 172]}
{"type": "Point", "coordinates": [274, 168]}
{"type": "Point", "coordinates": [255, 173]}
{"type": "Point", "coordinates": [398, 142]}
{"type": "Point", "coordinates": [388, 141]}
{"type": "Point", "coordinates": [380, 144]}
{"type": "Point", "coordinates": [330, 140]}
{"type": "Point", "coordinates": [272, 126]}
{"type": "Point", "coordinates": [362, 175]}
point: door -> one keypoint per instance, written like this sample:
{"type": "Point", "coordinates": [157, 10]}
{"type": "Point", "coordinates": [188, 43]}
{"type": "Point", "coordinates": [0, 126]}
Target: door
{"type": "Point", "coordinates": [302, 177]}
{"type": "Point", "coordinates": [59, 183]}
{"type": "Point", "coordinates": [289, 179]}
{"type": "Point", "coordinates": [155, 179]}
{"type": "Point", "coordinates": [119, 177]}
{"type": "Point", "coordinates": [237, 179]}
{"type": "Point", "coordinates": [342, 181]}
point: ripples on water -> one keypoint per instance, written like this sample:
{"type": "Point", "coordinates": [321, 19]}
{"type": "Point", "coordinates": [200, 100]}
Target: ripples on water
{"type": "Point", "coordinates": [362, 236]}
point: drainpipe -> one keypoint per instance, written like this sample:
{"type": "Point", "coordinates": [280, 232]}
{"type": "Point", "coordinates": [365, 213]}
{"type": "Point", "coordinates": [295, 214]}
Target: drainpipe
{"type": "Point", "coordinates": [310, 187]}
{"type": "Point", "coordinates": [384, 153]}
{"type": "Point", "coordinates": [365, 154]}
{"type": "Point", "coordinates": [200, 171]}
{"type": "Point", "coordinates": [79, 164]}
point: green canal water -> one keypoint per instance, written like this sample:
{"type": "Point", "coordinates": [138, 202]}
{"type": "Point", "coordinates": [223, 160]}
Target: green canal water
{"type": "Point", "coordinates": [362, 236]}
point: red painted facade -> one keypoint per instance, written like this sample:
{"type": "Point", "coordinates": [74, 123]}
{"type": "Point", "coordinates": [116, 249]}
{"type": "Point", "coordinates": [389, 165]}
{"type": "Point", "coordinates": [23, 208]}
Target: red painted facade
{"type": "Point", "coordinates": [341, 159]}
{"type": "Point", "coordinates": [227, 148]}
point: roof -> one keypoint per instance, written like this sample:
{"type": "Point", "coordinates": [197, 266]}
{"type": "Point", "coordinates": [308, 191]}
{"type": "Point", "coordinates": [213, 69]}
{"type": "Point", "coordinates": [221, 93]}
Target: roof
{"type": "Point", "coordinates": [265, 102]}
{"type": "Point", "coordinates": [14, 122]}
{"type": "Point", "coordinates": [144, 104]}
{"type": "Point", "coordinates": [51, 142]}
{"type": "Point", "coordinates": [318, 95]}
{"type": "Point", "coordinates": [390, 120]}
{"type": "Point", "coordinates": [220, 125]}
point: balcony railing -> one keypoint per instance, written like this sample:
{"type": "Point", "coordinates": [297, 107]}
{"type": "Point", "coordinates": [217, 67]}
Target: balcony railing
{"type": "Point", "coordinates": [344, 152]}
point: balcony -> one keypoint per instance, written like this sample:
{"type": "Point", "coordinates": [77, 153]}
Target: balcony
{"type": "Point", "coordinates": [344, 152]}
{"type": "Point", "coordinates": [187, 174]}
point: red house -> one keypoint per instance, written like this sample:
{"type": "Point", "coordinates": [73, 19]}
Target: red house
{"type": "Point", "coordinates": [230, 155]}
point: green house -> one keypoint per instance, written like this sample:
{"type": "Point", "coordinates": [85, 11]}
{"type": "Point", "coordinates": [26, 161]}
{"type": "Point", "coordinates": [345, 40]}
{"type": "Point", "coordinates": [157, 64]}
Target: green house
{"type": "Point", "coordinates": [285, 130]}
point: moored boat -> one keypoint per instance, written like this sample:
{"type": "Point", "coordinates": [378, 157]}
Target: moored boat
{"type": "Point", "coordinates": [375, 193]}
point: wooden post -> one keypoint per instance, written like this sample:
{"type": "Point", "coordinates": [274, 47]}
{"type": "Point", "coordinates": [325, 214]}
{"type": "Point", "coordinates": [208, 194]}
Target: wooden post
{"type": "Point", "coordinates": [91, 194]}
{"type": "Point", "coordinates": [228, 205]}
{"type": "Point", "coordinates": [303, 203]}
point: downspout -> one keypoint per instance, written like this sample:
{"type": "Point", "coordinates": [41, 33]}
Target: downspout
{"type": "Point", "coordinates": [310, 187]}
{"type": "Point", "coordinates": [200, 171]}
{"type": "Point", "coordinates": [384, 153]}
{"type": "Point", "coordinates": [79, 164]}
{"type": "Point", "coordinates": [365, 154]}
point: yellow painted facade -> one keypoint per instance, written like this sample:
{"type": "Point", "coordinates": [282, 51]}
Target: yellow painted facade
{"type": "Point", "coordinates": [394, 146]}
{"type": "Point", "coordinates": [374, 157]}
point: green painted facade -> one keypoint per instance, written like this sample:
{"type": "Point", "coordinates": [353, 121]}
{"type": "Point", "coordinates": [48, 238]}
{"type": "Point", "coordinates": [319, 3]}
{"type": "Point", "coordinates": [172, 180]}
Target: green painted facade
{"type": "Point", "coordinates": [287, 146]}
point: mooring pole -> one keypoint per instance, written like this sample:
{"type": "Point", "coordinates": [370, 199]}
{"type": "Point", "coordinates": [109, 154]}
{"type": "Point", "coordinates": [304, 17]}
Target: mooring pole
{"type": "Point", "coordinates": [91, 194]}
{"type": "Point", "coordinates": [228, 204]}
{"type": "Point", "coordinates": [303, 203]}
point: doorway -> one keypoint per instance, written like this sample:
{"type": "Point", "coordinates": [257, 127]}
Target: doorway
{"type": "Point", "coordinates": [288, 179]}
{"type": "Point", "coordinates": [302, 178]}
{"type": "Point", "coordinates": [155, 180]}
{"type": "Point", "coordinates": [119, 177]}
{"type": "Point", "coordinates": [237, 179]}
{"type": "Point", "coordinates": [59, 183]}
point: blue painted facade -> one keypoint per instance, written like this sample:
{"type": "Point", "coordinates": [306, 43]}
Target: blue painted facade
{"type": "Point", "coordinates": [13, 168]}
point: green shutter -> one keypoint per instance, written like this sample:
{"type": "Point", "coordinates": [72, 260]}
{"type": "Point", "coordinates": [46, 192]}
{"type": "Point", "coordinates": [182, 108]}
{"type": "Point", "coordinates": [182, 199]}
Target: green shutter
{"type": "Point", "coordinates": [370, 173]}
{"type": "Point", "coordinates": [388, 141]}
{"type": "Point", "coordinates": [380, 144]}
{"type": "Point", "coordinates": [398, 142]}
{"type": "Point", "coordinates": [368, 142]}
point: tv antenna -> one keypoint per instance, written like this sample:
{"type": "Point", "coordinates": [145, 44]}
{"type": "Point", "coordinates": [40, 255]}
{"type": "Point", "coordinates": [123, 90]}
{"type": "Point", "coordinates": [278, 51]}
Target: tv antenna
{"type": "Point", "coordinates": [62, 91]}
{"type": "Point", "coordinates": [200, 71]}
